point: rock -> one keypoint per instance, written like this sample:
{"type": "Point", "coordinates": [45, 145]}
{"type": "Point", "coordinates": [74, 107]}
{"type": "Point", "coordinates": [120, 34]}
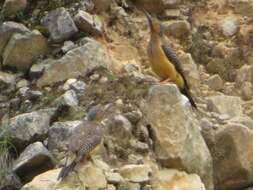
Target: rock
{"type": "Point", "coordinates": [28, 127]}
{"type": "Point", "coordinates": [22, 49]}
{"type": "Point", "coordinates": [78, 86]}
{"type": "Point", "coordinates": [228, 26]}
{"type": "Point", "coordinates": [110, 187]}
{"type": "Point", "coordinates": [7, 29]}
{"type": "Point", "coordinates": [67, 84]}
{"type": "Point", "coordinates": [247, 91]}
{"type": "Point", "coordinates": [13, 7]}
{"type": "Point", "coordinates": [60, 24]}
{"type": "Point", "coordinates": [119, 128]}
{"type": "Point", "coordinates": [230, 105]}
{"type": "Point", "coordinates": [136, 173]}
{"type": "Point", "coordinates": [67, 100]}
{"type": "Point", "coordinates": [6, 80]}
{"type": "Point", "coordinates": [128, 186]}
{"type": "Point", "coordinates": [244, 74]}
{"type": "Point", "coordinates": [243, 7]}
{"type": "Point", "coordinates": [60, 132]}
{"type": "Point", "coordinates": [37, 69]}
{"type": "Point", "coordinates": [44, 181]}
{"type": "Point", "coordinates": [171, 3]}
{"type": "Point", "coordinates": [215, 82]}
{"type": "Point", "coordinates": [171, 14]}
{"type": "Point", "coordinates": [22, 83]}
{"type": "Point", "coordinates": [243, 120]}
{"type": "Point", "coordinates": [35, 159]}
{"type": "Point", "coordinates": [10, 182]}
{"type": "Point", "coordinates": [88, 23]}
{"type": "Point", "coordinates": [75, 63]}
{"type": "Point", "coordinates": [177, 28]}
{"type": "Point", "coordinates": [68, 45]}
{"type": "Point", "coordinates": [134, 117]}
{"type": "Point", "coordinates": [113, 178]}
{"type": "Point", "coordinates": [231, 151]}
{"type": "Point", "coordinates": [101, 5]}
{"type": "Point", "coordinates": [174, 179]}
{"type": "Point", "coordinates": [176, 131]}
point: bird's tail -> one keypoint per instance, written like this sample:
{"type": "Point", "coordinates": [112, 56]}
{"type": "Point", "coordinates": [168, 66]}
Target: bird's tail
{"type": "Point", "coordinates": [65, 170]}
{"type": "Point", "coordinates": [186, 92]}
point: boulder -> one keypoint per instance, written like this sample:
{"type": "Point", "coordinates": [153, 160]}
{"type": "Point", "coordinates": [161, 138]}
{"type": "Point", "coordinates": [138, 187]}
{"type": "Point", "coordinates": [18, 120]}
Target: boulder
{"type": "Point", "coordinates": [233, 161]}
{"type": "Point", "coordinates": [215, 82]}
{"type": "Point", "coordinates": [28, 127]}
{"type": "Point", "coordinates": [222, 104]}
{"type": "Point", "coordinates": [177, 139]}
{"type": "Point", "coordinates": [76, 62]}
{"type": "Point", "coordinates": [35, 159]}
{"type": "Point", "coordinates": [22, 49]}
{"type": "Point", "coordinates": [13, 7]}
{"type": "Point", "coordinates": [168, 179]}
{"type": "Point", "coordinates": [136, 173]}
{"type": "Point", "coordinates": [7, 29]}
{"type": "Point", "coordinates": [60, 24]}
{"type": "Point", "coordinates": [88, 23]}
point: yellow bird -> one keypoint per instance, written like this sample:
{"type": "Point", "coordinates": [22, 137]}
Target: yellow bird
{"type": "Point", "coordinates": [163, 59]}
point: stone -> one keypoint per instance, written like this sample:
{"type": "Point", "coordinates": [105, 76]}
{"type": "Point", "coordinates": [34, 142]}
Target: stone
{"type": "Point", "coordinates": [136, 173]}
{"type": "Point", "coordinates": [134, 117]}
{"type": "Point", "coordinates": [215, 82]}
{"type": "Point", "coordinates": [67, 100]}
{"type": "Point", "coordinates": [22, 49]}
{"type": "Point", "coordinates": [231, 151]}
{"type": "Point", "coordinates": [177, 28]}
{"type": "Point", "coordinates": [59, 24]}
{"type": "Point", "coordinates": [22, 83]}
{"type": "Point", "coordinates": [113, 178]}
{"type": "Point", "coordinates": [7, 29]}
{"type": "Point", "coordinates": [35, 159]}
{"type": "Point", "coordinates": [101, 5]}
{"type": "Point", "coordinates": [128, 186]}
{"type": "Point", "coordinates": [247, 91]}
{"type": "Point", "coordinates": [75, 63]}
{"type": "Point", "coordinates": [60, 132]}
{"type": "Point", "coordinates": [11, 181]}
{"type": "Point", "coordinates": [119, 128]}
{"type": "Point", "coordinates": [68, 45]}
{"type": "Point", "coordinates": [37, 70]}
{"type": "Point", "coordinates": [174, 179]}
{"type": "Point", "coordinates": [44, 181]}
{"type": "Point", "coordinates": [222, 104]}
{"type": "Point", "coordinates": [243, 7]}
{"type": "Point", "coordinates": [176, 132]}
{"type": "Point", "coordinates": [78, 86]}
{"type": "Point", "coordinates": [244, 74]}
{"type": "Point", "coordinates": [88, 23]}
{"type": "Point", "coordinates": [171, 3]}
{"type": "Point", "coordinates": [27, 128]}
{"type": "Point", "coordinates": [228, 26]}
{"type": "Point", "coordinates": [13, 7]}
{"type": "Point", "coordinates": [6, 80]}
{"type": "Point", "coordinates": [241, 120]}
{"type": "Point", "coordinates": [171, 13]}
{"type": "Point", "coordinates": [67, 84]}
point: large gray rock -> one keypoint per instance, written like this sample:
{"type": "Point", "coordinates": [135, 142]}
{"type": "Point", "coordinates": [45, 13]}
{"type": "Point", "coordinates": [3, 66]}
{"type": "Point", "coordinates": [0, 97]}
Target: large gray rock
{"type": "Point", "coordinates": [13, 7]}
{"type": "Point", "coordinates": [222, 104]}
{"type": "Point", "coordinates": [233, 161]}
{"type": "Point", "coordinates": [177, 139]}
{"type": "Point", "coordinates": [88, 23]}
{"type": "Point", "coordinates": [60, 132]}
{"type": "Point", "coordinates": [60, 24]}
{"type": "Point", "coordinates": [22, 49]}
{"type": "Point", "coordinates": [35, 159]}
{"type": "Point", "coordinates": [28, 127]}
{"type": "Point", "coordinates": [75, 63]}
{"type": "Point", "coordinates": [7, 29]}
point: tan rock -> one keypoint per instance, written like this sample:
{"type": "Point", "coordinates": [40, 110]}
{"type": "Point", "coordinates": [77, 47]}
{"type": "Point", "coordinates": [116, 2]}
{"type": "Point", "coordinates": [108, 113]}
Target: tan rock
{"type": "Point", "coordinates": [243, 7]}
{"type": "Point", "coordinates": [247, 91]}
{"type": "Point", "coordinates": [177, 28]}
{"type": "Point", "coordinates": [215, 82]}
{"type": "Point", "coordinates": [230, 105]}
{"type": "Point", "coordinates": [136, 173]}
{"type": "Point", "coordinates": [233, 161]}
{"type": "Point", "coordinates": [170, 179]}
{"type": "Point", "coordinates": [13, 7]}
{"type": "Point", "coordinates": [6, 80]}
{"type": "Point", "coordinates": [22, 49]}
{"type": "Point", "coordinates": [244, 74]}
{"type": "Point", "coordinates": [178, 142]}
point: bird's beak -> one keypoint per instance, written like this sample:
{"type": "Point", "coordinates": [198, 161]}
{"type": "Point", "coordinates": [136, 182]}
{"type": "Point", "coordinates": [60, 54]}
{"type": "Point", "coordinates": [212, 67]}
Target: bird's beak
{"type": "Point", "coordinates": [149, 18]}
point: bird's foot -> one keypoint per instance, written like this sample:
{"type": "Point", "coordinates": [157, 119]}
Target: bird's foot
{"type": "Point", "coordinates": [168, 80]}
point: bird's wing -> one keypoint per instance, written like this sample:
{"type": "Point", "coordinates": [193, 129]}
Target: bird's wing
{"type": "Point", "coordinates": [171, 55]}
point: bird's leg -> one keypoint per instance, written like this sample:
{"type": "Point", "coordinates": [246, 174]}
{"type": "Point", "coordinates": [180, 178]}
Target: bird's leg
{"type": "Point", "coordinates": [168, 80]}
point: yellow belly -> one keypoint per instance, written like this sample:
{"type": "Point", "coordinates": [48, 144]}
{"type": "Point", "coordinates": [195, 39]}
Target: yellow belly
{"type": "Point", "coordinates": [164, 68]}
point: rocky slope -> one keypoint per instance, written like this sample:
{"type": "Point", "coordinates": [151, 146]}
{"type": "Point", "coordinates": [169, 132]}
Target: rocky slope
{"type": "Point", "coordinates": [59, 59]}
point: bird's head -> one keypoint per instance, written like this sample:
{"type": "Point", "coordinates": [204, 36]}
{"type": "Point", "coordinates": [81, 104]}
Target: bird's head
{"type": "Point", "coordinates": [154, 24]}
